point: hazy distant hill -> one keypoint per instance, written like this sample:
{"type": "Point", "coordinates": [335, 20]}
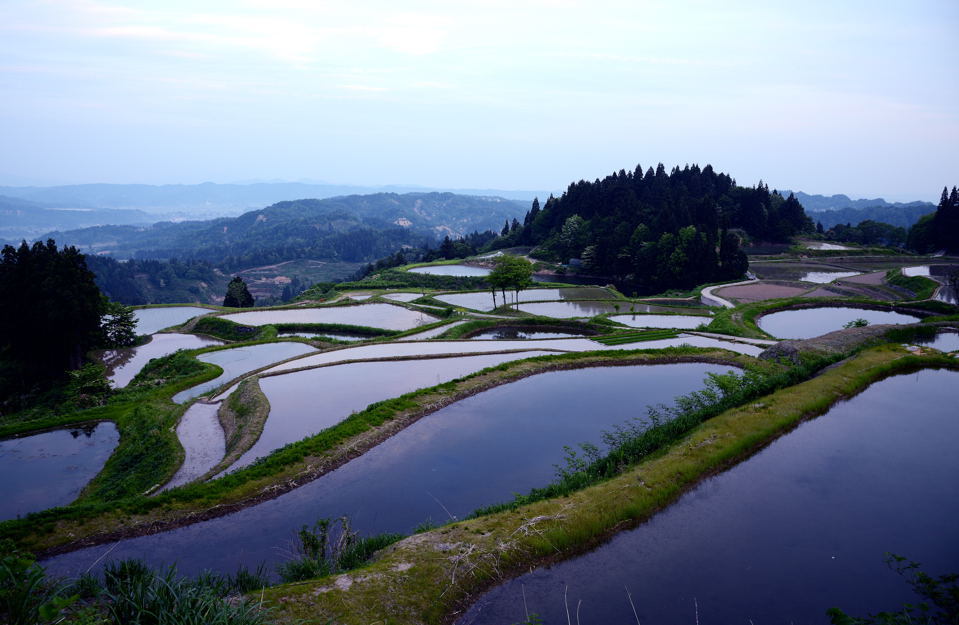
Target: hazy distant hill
{"type": "Point", "coordinates": [24, 219]}
{"type": "Point", "coordinates": [356, 228]}
{"type": "Point", "coordinates": [816, 203]}
{"type": "Point", "coordinates": [208, 200]}
{"type": "Point", "coordinates": [840, 209]}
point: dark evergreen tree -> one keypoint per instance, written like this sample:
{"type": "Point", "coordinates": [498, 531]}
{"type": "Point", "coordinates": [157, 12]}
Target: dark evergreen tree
{"type": "Point", "coordinates": [51, 310]}
{"type": "Point", "coordinates": [237, 295]}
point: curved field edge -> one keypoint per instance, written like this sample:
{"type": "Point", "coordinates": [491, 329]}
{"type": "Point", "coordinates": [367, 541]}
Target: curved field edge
{"type": "Point", "coordinates": [431, 577]}
{"type": "Point", "coordinates": [84, 524]}
{"type": "Point", "coordinates": [743, 319]}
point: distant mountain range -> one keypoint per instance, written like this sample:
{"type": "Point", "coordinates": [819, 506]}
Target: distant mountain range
{"type": "Point", "coordinates": [24, 219]}
{"type": "Point", "coordinates": [356, 228]}
{"type": "Point", "coordinates": [218, 200]}
{"type": "Point", "coordinates": [840, 209]}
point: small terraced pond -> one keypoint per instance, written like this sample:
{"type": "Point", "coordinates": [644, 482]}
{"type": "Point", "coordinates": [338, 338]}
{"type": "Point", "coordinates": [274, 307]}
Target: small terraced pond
{"type": "Point", "coordinates": [483, 300]}
{"type": "Point", "coordinates": [50, 469]}
{"type": "Point", "coordinates": [944, 342]}
{"type": "Point", "coordinates": [239, 360]}
{"type": "Point", "coordinates": [150, 320]}
{"type": "Point", "coordinates": [340, 336]}
{"type": "Point", "coordinates": [306, 402]}
{"type": "Point", "coordinates": [386, 316]}
{"type": "Point", "coordinates": [800, 527]}
{"type": "Point", "coordinates": [825, 277]}
{"type": "Point", "coordinates": [476, 452]}
{"type": "Point", "coordinates": [124, 364]}
{"type": "Point", "coordinates": [567, 310]}
{"type": "Point", "coordinates": [807, 323]}
{"type": "Point", "coordinates": [463, 271]}
{"type": "Point", "coordinates": [513, 334]}
{"type": "Point", "coordinates": [678, 322]}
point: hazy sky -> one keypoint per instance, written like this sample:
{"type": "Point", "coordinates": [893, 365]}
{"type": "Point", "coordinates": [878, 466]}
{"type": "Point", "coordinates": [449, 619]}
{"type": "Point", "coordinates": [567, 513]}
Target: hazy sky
{"type": "Point", "coordinates": [828, 96]}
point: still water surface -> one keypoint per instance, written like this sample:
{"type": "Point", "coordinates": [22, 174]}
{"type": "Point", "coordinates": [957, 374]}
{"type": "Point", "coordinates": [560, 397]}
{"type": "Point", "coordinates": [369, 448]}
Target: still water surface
{"type": "Point", "coordinates": [385, 316]}
{"type": "Point", "coordinates": [452, 270]}
{"type": "Point", "coordinates": [124, 364]}
{"type": "Point", "coordinates": [476, 452]}
{"type": "Point", "coordinates": [50, 469]}
{"type": "Point", "coordinates": [305, 402]}
{"type": "Point", "coordinates": [483, 300]}
{"type": "Point", "coordinates": [150, 320]}
{"type": "Point", "coordinates": [678, 322]}
{"type": "Point", "coordinates": [800, 527]}
{"type": "Point", "coordinates": [239, 360]}
{"type": "Point", "coordinates": [810, 322]}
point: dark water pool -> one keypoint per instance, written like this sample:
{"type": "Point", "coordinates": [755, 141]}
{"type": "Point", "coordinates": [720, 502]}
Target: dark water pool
{"type": "Point", "coordinates": [50, 469]}
{"type": "Point", "coordinates": [476, 452]}
{"type": "Point", "coordinates": [807, 323]}
{"type": "Point", "coordinates": [798, 528]}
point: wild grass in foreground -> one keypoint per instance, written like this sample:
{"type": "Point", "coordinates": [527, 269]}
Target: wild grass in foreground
{"type": "Point", "coordinates": [129, 593]}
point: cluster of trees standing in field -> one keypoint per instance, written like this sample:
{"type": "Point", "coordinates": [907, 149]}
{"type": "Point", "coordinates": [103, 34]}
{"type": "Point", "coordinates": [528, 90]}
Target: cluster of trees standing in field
{"type": "Point", "coordinates": [939, 230]}
{"type": "Point", "coordinates": [53, 314]}
{"type": "Point", "coordinates": [655, 230]}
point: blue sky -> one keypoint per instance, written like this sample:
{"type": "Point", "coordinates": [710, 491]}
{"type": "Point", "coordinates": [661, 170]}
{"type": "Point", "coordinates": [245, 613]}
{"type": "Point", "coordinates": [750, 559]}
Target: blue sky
{"type": "Point", "coordinates": [826, 97]}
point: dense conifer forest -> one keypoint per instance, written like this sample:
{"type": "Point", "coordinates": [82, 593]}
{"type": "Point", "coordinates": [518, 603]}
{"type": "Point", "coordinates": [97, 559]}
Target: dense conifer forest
{"type": "Point", "coordinates": [656, 230]}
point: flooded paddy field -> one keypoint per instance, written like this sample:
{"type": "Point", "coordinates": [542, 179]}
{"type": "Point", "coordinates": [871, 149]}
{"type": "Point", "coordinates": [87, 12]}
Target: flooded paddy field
{"type": "Point", "coordinates": [679, 322]}
{"type": "Point", "coordinates": [50, 469]}
{"type": "Point", "coordinates": [476, 452]}
{"type": "Point", "coordinates": [462, 271]}
{"type": "Point", "coordinates": [483, 300]}
{"type": "Point", "coordinates": [150, 320]}
{"type": "Point", "coordinates": [239, 360]}
{"type": "Point", "coordinates": [386, 316]}
{"type": "Point", "coordinates": [807, 323]}
{"type": "Point", "coordinates": [305, 402]}
{"type": "Point", "coordinates": [124, 364]}
{"type": "Point", "coordinates": [800, 527]}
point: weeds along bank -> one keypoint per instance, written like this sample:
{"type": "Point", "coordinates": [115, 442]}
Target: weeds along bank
{"type": "Point", "coordinates": [431, 576]}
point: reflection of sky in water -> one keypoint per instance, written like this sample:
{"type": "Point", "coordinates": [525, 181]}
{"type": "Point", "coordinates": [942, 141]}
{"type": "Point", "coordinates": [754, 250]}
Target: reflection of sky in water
{"type": "Point", "coordinates": [452, 270]}
{"type": "Point", "coordinates": [784, 534]}
{"type": "Point", "coordinates": [680, 322]}
{"type": "Point", "coordinates": [565, 310]}
{"type": "Point", "coordinates": [306, 402]}
{"type": "Point", "coordinates": [50, 469]}
{"type": "Point", "coordinates": [150, 320]}
{"type": "Point", "coordinates": [810, 322]}
{"type": "Point", "coordinates": [920, 270]}
{"type": "Point", "coordinates": [385, 316]}
{"type": "Point", "coordinates": [483, 300]}
{"type": "Point", "coordinates": [123, 364]}
{"type": "Point", "coordinates": [475, 452]}
{"type": "Point", "coordinates": [823, 277]}
{"type": "Point", "coordinates": [239, 360]}
{"type": "Point", "coordinates": [944, 341]}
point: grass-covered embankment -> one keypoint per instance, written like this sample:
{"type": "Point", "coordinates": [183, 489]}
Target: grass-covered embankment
{"type": "Point", "coordinates": [148, 452]}
{"type": "Point", "coordinates": [920, 286]}
{"type": "Point", "coordinates": [428, 577]}
{"type": "Point", "coordinates": [89, 523]}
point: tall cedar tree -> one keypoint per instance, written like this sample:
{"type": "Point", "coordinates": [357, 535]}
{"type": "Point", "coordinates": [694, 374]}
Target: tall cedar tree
{"type": "Point", "coordinates": [51, 311]}
{"type": "Point", "coordinates": [939, 230]}
{"type": "Point", "coordinates": [237, 295]}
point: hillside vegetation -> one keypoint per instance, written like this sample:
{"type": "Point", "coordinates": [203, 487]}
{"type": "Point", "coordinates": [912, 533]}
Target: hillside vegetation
{"type": "Point", "coordinates": [655, 230]}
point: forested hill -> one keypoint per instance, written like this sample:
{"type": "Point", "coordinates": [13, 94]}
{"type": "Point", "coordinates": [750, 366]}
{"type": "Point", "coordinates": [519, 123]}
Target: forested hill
{"type": "Point", "coordinates": [357, 228]}
{"type": "Point", "coordinates": [658, 230]}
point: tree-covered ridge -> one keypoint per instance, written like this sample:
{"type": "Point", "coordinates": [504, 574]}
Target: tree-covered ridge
{"type": "Point", "coordinates": [348, 229]}
{"type": "Point", "coordinates": [940, 230]}
{"type": "Point", "coordinates": [657, 230]}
